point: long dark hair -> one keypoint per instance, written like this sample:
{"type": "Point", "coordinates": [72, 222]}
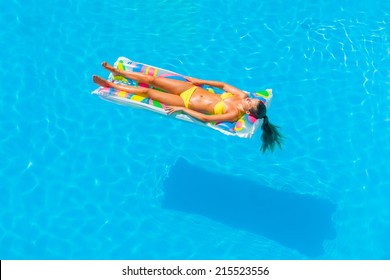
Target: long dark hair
{"type": "Point", "coordinates": [271, 134]}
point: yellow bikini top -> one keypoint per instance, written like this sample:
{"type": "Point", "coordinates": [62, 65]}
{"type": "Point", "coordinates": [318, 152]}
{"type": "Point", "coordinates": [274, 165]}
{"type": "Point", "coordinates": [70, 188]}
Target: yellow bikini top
{"type": "Point", "coordinates": [220, 108]}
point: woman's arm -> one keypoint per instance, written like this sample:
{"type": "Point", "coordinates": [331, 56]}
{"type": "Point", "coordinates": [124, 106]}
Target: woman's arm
{"type": "Point", "coordinates": [228, 117]}
{"type": "Point", "coordinates": [221, 85]}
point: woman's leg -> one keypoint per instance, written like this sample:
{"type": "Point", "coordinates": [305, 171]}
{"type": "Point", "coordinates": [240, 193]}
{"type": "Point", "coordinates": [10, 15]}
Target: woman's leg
{"type": "Point", "coordinates": [172, 86]}
{"type": "Point", "coordinates": [166, 98]}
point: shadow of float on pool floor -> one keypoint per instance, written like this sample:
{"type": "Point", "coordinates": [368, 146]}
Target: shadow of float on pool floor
{"type": "Point", "coordinates": [300, 222]}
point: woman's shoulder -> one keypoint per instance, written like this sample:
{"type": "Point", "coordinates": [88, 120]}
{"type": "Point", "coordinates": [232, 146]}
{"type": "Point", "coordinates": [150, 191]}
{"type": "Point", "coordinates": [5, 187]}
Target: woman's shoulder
{"type": "Point", "coordinates": [235, 91]}
{"type": "Point", "coordinates": [233, 96]}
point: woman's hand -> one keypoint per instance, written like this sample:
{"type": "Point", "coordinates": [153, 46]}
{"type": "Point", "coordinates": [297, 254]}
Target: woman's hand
{"type": "Point", "coordinates": [172, 109]}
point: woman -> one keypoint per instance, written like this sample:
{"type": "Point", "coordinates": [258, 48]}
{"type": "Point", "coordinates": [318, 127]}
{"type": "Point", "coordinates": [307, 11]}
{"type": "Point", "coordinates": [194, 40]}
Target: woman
{"type": "Point", "coordinates": [188, 97]}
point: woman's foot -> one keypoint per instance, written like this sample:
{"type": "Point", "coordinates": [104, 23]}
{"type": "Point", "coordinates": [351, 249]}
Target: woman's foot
{"type": "Point", "coordinates": [100, 81]}
{"type": "Point", "coordinates": [110, 68]}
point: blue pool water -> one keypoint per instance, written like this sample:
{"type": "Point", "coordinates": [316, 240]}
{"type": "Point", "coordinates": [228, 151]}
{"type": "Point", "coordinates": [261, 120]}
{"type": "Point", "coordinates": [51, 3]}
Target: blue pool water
{"type": "Point", "coordinates": [81, 178]}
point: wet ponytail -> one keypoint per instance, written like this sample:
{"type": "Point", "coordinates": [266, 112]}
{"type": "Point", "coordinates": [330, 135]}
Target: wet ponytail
{"type": "Point", "coordinates": [270, 136]}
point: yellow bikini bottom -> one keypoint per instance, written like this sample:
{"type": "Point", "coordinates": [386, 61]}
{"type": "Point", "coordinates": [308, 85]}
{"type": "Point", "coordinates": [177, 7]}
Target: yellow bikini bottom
{"type": "Point", "coordinates": [186, 95]}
